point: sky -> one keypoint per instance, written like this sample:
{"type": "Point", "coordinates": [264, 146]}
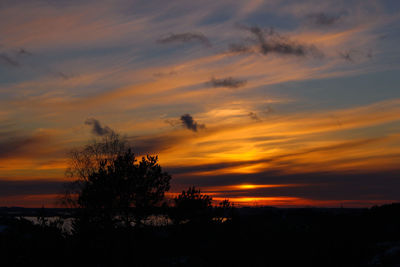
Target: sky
{"type": "Point", "coordinates": [281, 103]}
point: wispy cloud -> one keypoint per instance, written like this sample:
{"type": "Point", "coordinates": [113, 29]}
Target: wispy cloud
{"type": "Point", "coordinates": [185, 38]}
{"type": "Point", "coordinates": [62, 75]}
{"type": "Point", "coordinates": [355, 55]}
{"type": "Point", "coordinates": [347, 55]}
{"type": "Point", "coordinates": [270, 41]}
{"type": "Point", "coordinates": [254, 116]}
{"type": "Point", "coordinates": [322, 19]}
{"type": "Point", "coordinates": [275, 43]}
{"type": "Point", "coordinates": [12, 58]}
{"type": "Point", "coordinates": [240, 48]}
{"type": "Point", "coordinates": [229, 82]}
{"type": "Point", "coordinates": [166, 73]}
{"type": "Point", "coordinates": [6, 59]}
{"type": "Point", "coordinates": [24, 52]}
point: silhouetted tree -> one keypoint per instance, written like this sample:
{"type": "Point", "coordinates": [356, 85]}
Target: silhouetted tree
{"type": "Point", "coordinates": [192, 206]}
{"type": "Point", "coordinates": [224, 211]}
{"type": "Point", "coordinates": [111, 188]}
{"type": "Point", "coordinates": [84, 161]}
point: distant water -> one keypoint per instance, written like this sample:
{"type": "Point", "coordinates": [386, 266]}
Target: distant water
{"type": "Point", "coordinates": [153, 220]}
{"type": "Point", "coordinates": [66, 227]}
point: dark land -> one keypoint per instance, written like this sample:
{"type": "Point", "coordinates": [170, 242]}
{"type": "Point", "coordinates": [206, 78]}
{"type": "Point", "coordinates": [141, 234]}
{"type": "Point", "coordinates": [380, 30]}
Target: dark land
{"type": "Point", "coordinates": [257, 236]}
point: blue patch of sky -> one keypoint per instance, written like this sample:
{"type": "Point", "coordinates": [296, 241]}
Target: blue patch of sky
{"type": "Point", "coordinates": [167, 110]}
{"type": "Point", "coordinates": [265, 19]}
{"type": "Point", "coordinates": [374, 131]}
{"type": "Point", "coordinates": [392, 6]}
{"type": "Point", "coordinates": [172, 52]}
{"type": "Point", "coordinates": [218, 17]}
{"type": "Point", "coordinates": [172, 11]}
{"type": "Point", "coordinates": [334, 93]}
{"type": "Point", "coordinates": [10, 75]}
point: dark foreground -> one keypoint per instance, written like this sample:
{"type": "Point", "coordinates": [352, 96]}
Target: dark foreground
{"type": "Point", "coordinates": [253, 237]}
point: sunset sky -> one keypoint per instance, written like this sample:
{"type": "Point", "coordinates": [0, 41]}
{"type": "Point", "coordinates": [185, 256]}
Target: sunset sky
{"type": "Point", "coordinates": [282, 103]}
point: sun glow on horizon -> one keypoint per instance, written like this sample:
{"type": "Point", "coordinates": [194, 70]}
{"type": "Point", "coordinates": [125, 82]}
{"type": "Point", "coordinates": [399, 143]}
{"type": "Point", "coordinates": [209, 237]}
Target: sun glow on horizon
{"type": "Point", "coordinates": [247, 187]}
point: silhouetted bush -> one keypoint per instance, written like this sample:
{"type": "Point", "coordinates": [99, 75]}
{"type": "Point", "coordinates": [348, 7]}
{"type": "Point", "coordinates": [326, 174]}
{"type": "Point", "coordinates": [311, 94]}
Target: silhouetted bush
{"type": "Point", "coordinates": [192, 206]}
{"type": "Point", "coordinates": [224, 212]}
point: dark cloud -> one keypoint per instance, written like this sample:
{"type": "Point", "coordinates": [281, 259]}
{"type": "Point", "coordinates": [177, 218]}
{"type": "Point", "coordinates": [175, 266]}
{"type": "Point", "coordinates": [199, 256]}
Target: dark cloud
{"type": "Point", "coordinates": [97, 129]}
{"type": "Point", "coordinates": [212, 166]}
{"type": "Point", "coordinates": [259, 33]}
{"type": "Point", "coordinates": [29, 187]}
{"type": "Point", "coordinates": [322, 19]}
{"type": "Point", "coordinates": [189, 123]}
{"type": "Point", "coordinates": [227, 82]}
{"type": "Point", "coordinates": [284, 48]}
{"type": "Point", "coordinates": [185, 38]}
{"type": "Point", "coordinates": [10, 59]}
{"type": "Point", "coordinates": [23, 52]}
{"type": "Point", "coordinates": [347, 55]}
{"type": "Point", "coordinates": [254, 116]}
{"type": "Point", "coordinates": [269, 41]}
{"type": "Point", "coordinates": [272, 42]}
{"type": "Point", "coordinates": [62, 75]}
{"type": "Point", "coordinates": [354, 54]}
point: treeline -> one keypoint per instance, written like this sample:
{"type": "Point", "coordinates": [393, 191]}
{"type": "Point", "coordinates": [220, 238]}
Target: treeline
{"type": "Point", "coordinates": [252, 237]}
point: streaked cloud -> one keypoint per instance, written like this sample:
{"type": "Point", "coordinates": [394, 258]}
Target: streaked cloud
{"type": "Point", "coordinates": [270, 41]}
{"type": "Point", "coordinates": [6, 59]}
{"type": "Point", "coordinates": [12, 57]}
{"type": "Point", "coordinates": [17, 145]}
{"type": "Point", "coordinates": [227, 82]}
{"type": "Point", "coordinates": [186, 37]}
{"type": "Point", "coordinates": [347, 56]}
{"type": "Point", "coordinates": [240, 48]}
{"type": "Point", "coordinates": [23, 52]}
{"type": "Point", "coordinates": [29, 187]}
{"type": "Point", "coordinates": [322, 19]}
